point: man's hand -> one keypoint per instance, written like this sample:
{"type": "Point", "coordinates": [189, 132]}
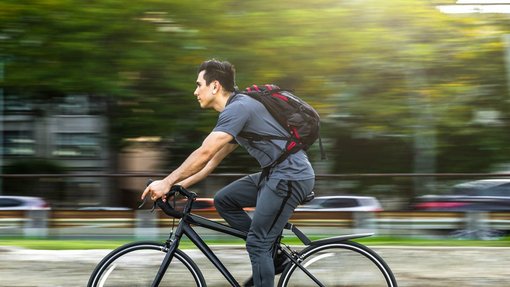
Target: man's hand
{"type": "Point", "coordinates": [157, 189]}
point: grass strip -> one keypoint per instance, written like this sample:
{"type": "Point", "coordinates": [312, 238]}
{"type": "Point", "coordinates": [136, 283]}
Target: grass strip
{"type": "Point", "coordinates": [408, 241]}
{"type": "Point", "coordinates": [65, 244]}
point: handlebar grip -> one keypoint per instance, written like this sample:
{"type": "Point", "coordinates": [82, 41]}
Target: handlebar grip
{"type": "Point", "coordinates": [183, 191]}
{"type": "Point", "coordinates": [168, 209]}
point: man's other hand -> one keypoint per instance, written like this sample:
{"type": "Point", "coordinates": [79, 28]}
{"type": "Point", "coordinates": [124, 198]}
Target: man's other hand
{"type": "Point", "coordinates": [157, 189]}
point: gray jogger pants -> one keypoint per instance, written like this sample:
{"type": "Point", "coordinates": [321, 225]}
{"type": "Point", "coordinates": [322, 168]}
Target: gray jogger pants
{"type": "Point", "coordinates": [274, 204]}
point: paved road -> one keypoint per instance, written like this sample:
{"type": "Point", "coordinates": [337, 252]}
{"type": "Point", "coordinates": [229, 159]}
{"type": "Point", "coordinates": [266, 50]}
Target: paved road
{"type": "Point", "coordinates": [413, 266]}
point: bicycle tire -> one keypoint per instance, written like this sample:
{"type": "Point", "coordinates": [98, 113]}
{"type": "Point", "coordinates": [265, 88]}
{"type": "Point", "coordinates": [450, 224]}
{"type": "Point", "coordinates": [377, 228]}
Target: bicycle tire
{"type": "Point", "coordinates": [136, 264]}
{"type": "Point", "coordinates": [339, 264]}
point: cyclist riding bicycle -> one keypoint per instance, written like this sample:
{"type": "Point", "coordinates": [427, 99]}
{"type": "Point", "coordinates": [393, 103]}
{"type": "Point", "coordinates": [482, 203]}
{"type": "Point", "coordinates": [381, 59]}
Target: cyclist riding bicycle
{"type": "Point", "coordinates": [274, 194]}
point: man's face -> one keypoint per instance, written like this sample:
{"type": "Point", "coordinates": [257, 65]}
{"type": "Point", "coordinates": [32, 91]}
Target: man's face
{"type": "Point", "coordinates": [205, 93]}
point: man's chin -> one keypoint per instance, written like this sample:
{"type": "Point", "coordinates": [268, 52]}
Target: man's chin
{"type": "Point", "coordinates": [203, 105]}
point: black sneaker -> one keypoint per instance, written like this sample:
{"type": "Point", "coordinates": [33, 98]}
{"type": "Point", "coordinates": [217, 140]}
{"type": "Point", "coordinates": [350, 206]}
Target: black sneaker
{"type": "Point", "coordinates": [249, 282]}
{"type": "Point", "coordinates": [280, 263]}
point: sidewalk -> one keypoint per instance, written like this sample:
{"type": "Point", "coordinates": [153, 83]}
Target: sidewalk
{"type": "Point", "coordinates": [413, 266]}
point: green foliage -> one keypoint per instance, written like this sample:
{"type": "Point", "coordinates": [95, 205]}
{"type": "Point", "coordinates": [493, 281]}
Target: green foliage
{"type": "Point", "coordinates": [394, 74]}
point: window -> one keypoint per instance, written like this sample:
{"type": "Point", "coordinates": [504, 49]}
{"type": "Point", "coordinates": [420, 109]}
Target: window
{"type": "Point", "coordinates": [74, 105]}
{"type": "Point", "coordinates": [340, 203]}
{"type": "Point", "coordinates": [15, 105]}
{"type": "Point", "coordinates": [18, 143]}
{"type": "Point", "coordinates": [77, 145]}
{"type": "Point", "coordinates": [9, 202]}
{"type": "Point", "coordinates": [500, 190]}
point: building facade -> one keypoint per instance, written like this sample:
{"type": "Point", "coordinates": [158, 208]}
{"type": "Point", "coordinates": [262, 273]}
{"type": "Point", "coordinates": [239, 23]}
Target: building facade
{"type": "Point", "coordinates": [71, 132]}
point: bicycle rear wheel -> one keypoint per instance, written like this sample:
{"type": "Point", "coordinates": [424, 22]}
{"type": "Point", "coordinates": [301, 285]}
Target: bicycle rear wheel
{"type": "Point", "coordinates": [339, 264]}
{"type": "Point", "coordinates": [136, 264]}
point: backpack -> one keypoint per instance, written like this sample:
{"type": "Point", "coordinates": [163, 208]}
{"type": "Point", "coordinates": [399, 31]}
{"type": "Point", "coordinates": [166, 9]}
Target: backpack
{"type": "Point", "coordinates": [295, 115]}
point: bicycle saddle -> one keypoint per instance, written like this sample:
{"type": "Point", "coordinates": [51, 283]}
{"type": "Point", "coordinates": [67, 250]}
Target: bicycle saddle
{"type": "Point", "coordinates": [309, 197]}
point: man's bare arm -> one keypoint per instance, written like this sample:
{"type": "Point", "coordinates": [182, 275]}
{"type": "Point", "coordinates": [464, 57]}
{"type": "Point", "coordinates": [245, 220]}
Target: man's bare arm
{"type": "Point", "coordinates": [195, 162]}
{"type": "Point", "coordinates": [209, 167]}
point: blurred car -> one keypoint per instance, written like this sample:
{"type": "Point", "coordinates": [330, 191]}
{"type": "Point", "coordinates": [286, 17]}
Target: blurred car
{"type": "Point", "coordinates": [101, 208]}
{"type": "Point", "coordinates": [478, 195]}
{"type": "Point", "coordinates": [483, 187]}
{"type": "Point", "coordinates": [8, 202]}
{"type": "Point", "coordinates": [342, 203]}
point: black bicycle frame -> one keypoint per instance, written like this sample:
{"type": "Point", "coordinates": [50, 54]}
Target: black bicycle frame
{"type": "Point", "coordinates": [184, 228]}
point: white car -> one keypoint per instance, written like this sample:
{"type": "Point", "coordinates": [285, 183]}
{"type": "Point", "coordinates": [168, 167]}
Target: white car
{"type": "Point", "coordinates": [104, 208]}
{"type": "Point", "coordinates": [8, 202]}
{"type": "Point", "coordinates": [342, 203]}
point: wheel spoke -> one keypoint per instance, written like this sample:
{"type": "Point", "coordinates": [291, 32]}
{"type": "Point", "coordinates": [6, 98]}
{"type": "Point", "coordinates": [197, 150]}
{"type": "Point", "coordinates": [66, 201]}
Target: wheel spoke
{"type": "Point", "coordinates": [340, 264]}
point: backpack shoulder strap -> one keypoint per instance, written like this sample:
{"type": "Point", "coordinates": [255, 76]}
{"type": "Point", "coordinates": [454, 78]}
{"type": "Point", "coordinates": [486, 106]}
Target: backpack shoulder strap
{"type": "Point", "coordinates": [258, 137]}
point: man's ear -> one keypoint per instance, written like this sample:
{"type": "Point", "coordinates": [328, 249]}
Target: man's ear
{"type": "Point", "coordinates": [216, 87]}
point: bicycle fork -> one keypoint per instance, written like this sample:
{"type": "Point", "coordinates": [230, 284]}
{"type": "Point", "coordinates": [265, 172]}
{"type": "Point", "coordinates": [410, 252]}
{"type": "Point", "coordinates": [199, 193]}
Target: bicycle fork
{"type": "Point", "coordinates": [170, 247]}
{"type": "Point", "coordinates": [166, 262]}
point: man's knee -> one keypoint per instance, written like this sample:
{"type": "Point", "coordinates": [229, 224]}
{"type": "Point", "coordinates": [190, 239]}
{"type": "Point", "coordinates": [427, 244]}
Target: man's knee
{"type": "Point", "coordinates": [219, 200]}
{"type": "Point", "coordinates": [257, 245]}
{"type": "Point", "coordinates": [223, 200]}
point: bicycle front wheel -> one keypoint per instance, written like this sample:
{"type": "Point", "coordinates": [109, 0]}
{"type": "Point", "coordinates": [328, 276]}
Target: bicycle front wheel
{"type": "Point", "coordinates": [339, 264]}
{"type": "Point", "coordinates": [136, 264]}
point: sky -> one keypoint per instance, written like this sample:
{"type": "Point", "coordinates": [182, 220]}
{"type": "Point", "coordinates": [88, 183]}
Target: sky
{"type": "Point", "coordinates": [476, 6]}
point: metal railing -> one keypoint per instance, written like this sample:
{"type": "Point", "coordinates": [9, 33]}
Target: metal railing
{"type": "Point", "coordinates": [141, 223]}
{"type": "Point", "coordinates": [144, 224]}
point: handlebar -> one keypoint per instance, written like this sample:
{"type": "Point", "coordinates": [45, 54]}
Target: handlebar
{"type": "Point", "coordinates": [168, 209]}
{"type": "Point", "coordinates": [184, 192]}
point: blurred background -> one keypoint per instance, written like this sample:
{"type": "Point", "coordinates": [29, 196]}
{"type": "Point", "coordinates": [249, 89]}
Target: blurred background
{"type": "Point", "coordinates": [414, 97]}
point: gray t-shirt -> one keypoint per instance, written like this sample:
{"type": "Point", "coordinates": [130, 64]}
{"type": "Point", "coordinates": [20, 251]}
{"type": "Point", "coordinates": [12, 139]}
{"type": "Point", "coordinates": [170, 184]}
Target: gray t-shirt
{"type": "Point", "coordinates": [244, 113]}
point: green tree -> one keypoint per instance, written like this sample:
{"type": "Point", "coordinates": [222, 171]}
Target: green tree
{"type": "Point", "coordinates": [392, 79]}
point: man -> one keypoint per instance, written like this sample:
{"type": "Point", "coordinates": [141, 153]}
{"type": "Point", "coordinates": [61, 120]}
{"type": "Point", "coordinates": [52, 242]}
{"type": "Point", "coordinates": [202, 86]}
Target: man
{"type": "Point", "coordinates": [275, 196]}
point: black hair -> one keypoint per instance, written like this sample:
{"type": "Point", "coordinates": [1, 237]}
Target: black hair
{"type": "Point", "coordinates": [221, 71]}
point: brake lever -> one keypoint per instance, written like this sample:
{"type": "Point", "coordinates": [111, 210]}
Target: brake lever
{"type": "Point", "coordinates": [143, 203]}
{"type": "Point", "coordinates": [170, 193]}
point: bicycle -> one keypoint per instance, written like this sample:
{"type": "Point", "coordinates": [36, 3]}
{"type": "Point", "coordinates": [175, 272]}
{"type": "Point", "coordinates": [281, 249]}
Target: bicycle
{"type": "Point", "coordinates": [334, 261]}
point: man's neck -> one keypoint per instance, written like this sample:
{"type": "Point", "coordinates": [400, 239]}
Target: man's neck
{"type": "Point", "coordinates": [221, 101]}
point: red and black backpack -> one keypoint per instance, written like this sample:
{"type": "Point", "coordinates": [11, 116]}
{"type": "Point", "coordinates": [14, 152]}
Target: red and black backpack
{"type": "Point", "coordinates": [295, 115]}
